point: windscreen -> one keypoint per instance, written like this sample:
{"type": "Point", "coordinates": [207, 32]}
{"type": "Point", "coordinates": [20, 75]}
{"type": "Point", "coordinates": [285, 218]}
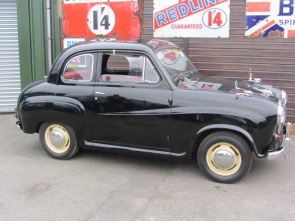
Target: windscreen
{"type": "Point", "coordinates": [175, 59]}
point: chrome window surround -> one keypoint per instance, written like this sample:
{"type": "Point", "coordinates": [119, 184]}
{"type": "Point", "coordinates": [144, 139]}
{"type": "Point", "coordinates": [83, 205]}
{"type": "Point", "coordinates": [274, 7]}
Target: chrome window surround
{"type": "Point", "coordinates": [71, 80]}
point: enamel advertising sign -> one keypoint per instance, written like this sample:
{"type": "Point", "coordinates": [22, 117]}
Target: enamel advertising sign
{"type": "Point", "coordinates": [101, 18]}
{"type": "Point", "coordinates": [270, 18]}
{"type": "Point", "coordinates": [67, 42]}
{"type": "Point", "coordinates": [191, 18]}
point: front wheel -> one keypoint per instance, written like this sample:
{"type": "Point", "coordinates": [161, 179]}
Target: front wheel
{"type": "Point", "coordinates": [58, 140]}
{"type": "Point", "coordinates": [224, 157]}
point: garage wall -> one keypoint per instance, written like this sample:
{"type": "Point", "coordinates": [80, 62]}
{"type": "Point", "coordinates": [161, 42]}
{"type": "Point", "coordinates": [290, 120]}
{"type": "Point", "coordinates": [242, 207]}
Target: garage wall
{"type": "Point", "coordinates": [9, 56]}
{"type": "Point", "coordinates": [31, 20]}
{"type": "Point", "coordinates": [271, 59]}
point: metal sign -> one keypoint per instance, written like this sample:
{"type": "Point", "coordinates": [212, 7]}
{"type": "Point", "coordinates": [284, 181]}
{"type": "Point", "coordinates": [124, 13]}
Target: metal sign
{"type": "Point", "coordinates": [191, 18]}
{"type": "Point", "coordinates": [67, 42]}
{"type": "Point", "coordinates": [101, 18]}
{"type": "Point", "coordinates": [270, 18]}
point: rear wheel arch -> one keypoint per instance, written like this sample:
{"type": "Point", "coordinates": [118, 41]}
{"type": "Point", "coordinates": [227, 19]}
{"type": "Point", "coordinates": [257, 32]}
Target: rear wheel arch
{"type": "Point", "coordinates": [66, 109]}
{"type": "Point", "coordinates": [68, 123]}
{"type": "Point", "coordinates": [38, 126]}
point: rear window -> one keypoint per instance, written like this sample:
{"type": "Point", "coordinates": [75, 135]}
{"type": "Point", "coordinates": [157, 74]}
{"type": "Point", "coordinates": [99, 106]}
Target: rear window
{"type": "Point", "coordinates": [79, 68]}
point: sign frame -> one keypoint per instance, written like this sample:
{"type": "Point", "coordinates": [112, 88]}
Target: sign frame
{"type": "Point", "coordinates": [191, 18]}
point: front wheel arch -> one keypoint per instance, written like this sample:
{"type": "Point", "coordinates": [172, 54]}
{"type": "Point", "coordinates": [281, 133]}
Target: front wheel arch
{"type": "Point", "coordinates": [205, 131]}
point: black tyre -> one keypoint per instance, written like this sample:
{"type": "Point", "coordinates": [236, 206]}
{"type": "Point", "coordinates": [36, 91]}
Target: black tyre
{"type": "Point", "coordinates": [58, 140]}
{"type": "Point", "coordinates": [224, 157]}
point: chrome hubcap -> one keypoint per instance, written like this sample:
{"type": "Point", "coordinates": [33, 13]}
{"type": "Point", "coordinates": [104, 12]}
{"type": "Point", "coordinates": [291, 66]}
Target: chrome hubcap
{"type": "Point", "coordinates": [223, 159]}
{"type": "Point", "coordinates": [57, 138]}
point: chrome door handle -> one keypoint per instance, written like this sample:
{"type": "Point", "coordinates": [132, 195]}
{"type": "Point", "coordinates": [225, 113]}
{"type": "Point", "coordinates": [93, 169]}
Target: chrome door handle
{"type": "Point", "coordinates": [99, 93]}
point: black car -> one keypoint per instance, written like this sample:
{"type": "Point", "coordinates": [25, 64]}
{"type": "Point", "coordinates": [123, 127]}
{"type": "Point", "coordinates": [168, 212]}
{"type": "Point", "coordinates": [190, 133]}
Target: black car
{"type": "Point", "coordinates": [148, 99]}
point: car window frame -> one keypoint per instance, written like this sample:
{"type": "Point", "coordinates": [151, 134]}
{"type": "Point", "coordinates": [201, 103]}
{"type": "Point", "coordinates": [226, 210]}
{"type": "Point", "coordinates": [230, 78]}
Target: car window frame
{"type": "Point", "coordinates": [99, 80]}
{"type": "Point", "coordinates": [79, 82]}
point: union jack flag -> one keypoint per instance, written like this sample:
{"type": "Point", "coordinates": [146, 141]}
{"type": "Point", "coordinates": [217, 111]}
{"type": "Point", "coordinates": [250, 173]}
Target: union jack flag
{"type": "Point", "coordinates": [262, 19]}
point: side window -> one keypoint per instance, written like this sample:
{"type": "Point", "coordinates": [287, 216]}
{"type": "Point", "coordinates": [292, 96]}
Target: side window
{"type": "Point", "coordinates": [128, 68]}
{"type": "Point", "coordinates": [79, 68]}
{"type": "Point", "coordinates": [117, 63]}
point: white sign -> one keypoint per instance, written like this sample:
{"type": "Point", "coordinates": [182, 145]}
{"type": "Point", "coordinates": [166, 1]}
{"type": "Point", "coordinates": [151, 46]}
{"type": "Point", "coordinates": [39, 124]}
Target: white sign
{"type": "Point", "coordinates": [191, 18]}
{"type": "Point", "coordinates": [101, 19]}
{"type": "Point", "coordinates": [270, 18]}
{"type": "Point", "coordinates": [71, 41]}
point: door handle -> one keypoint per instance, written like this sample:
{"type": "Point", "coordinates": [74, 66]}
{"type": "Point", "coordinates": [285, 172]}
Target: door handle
{"type": "Point", "coordinates": [99, 93]}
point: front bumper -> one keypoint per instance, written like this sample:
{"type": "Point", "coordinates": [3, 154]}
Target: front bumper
{"type": "Point", "coordinates": [282, 152]}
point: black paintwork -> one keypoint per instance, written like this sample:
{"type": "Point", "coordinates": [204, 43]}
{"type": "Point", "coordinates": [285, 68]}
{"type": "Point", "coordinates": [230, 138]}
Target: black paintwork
{"type": "Point", "coordinates": [158, 119]}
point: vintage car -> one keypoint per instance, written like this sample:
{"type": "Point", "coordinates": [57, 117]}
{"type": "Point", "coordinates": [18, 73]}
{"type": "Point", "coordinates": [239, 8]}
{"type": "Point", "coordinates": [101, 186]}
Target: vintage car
{"type": "Point", "coordinates": [148, 99]}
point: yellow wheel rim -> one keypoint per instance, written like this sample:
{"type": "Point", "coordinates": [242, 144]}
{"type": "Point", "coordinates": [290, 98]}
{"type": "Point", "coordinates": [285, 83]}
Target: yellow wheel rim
{"type": "Point", "coordinates": [57, 138]}
{"type": "Point", "coordinates": [223, 159]}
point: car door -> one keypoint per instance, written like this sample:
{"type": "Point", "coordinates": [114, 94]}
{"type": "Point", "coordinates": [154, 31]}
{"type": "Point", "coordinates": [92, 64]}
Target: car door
{"type": "Point", "coordinates": [75, 87]}
{"type": "Point", "coordinates": [131, 103]}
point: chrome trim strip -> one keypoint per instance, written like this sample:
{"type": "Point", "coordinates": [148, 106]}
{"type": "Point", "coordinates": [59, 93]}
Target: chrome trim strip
{"type": "Point", "coordinates": [100, 93]}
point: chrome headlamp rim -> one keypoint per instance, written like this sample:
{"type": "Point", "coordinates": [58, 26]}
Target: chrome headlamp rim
{"type": "Point", "coordinates": [281, 115]}
{"type": "Point", "coordinates": [284, 97]}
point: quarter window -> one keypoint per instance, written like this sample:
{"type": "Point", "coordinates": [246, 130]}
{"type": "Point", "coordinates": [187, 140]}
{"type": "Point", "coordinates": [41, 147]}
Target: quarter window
{"type": "Point", "coordinates": [79, 68]}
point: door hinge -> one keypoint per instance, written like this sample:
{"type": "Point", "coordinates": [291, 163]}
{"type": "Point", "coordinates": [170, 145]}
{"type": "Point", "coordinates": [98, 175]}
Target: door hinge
{"type": "Point", "coordinates": [168, 138]}
{"type": "Point", "coordinates": [170, 102]}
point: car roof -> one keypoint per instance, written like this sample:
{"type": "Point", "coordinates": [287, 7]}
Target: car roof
{"type": "Point", "coordinates": [151, 46]}
{"type": "Point", "coordinates": [141, 45]}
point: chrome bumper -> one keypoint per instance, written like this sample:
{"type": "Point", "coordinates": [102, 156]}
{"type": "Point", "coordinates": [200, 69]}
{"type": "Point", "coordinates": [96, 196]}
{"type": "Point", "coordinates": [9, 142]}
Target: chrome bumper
{"type": "Point", "coordinates": [278, 154]}
{"type": "Point", "coordinates": [17, 126]}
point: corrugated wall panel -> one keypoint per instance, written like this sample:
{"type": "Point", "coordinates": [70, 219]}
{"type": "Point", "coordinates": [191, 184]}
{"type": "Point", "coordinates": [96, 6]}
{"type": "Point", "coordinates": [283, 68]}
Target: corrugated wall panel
{"type": "Point", "coordinates": [271, 59]}
{"type": "Point", "coordinates": [9, 56]}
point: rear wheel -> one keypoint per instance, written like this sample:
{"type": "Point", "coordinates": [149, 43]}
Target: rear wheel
{"type": "Point", "coordinates": [58, 140]}
{"type": "Point", "coordinates": [224, 157]}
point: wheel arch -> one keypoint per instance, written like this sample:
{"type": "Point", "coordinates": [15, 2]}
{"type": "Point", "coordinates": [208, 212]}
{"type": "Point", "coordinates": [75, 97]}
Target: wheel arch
{"type": "Point", "coordinates": [205, 131]}
{"type": "Point", "coordinates": [72, 115]}
{"type": "Point", "coordinates": [39, 125]}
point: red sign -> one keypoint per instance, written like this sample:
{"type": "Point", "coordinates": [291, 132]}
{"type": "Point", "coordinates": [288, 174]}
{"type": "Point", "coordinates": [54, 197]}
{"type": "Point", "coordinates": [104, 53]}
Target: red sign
{"type": "Point", "coordinates": [101, 18]}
